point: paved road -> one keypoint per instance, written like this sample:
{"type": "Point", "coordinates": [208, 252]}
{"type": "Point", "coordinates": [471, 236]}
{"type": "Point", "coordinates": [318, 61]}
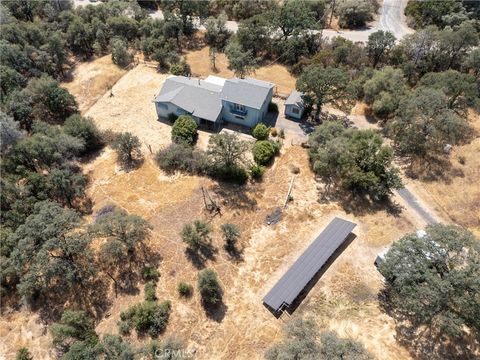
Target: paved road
{"type": "Point", "coordinates": [413, 202]}
{"type": "Point", "coordinates": [391, 18]}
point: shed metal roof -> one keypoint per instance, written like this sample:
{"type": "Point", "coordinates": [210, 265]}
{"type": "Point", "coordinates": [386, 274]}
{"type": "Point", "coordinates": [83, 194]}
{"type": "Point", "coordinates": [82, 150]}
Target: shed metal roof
{"type": "Point", "coordinates": [295, 98]}
{"type": "Point", "coordinates": [291, 284]}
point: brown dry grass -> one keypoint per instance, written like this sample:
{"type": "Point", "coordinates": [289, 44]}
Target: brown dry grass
{"type": "Point", "coordinates": [459, 195]}
{"type": "Point", "coordinates": [344, 300]}
{"type": "Point", "coordinates": [131, 108]}
{"type": "Point", "coordinates": [200, 65]}
{"type": "Point", "coordinates": [92, 79]}
{"type": "Point", "coordinates": [349, 288]}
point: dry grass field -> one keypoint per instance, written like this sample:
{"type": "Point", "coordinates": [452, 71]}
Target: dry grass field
{"type": "Point", "coordinates": [200, 65]}
{"type": "Point", "coordinates": [92, 79]}
{"type": "Point", "coordinates": [458, 195]}
{"type": "Point", "coordinates": [344, 300]}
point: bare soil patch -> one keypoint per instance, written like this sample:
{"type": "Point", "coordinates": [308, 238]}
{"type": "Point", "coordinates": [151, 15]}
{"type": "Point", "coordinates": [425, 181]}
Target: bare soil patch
{"type": "Point", "coordinates": [92, 79]}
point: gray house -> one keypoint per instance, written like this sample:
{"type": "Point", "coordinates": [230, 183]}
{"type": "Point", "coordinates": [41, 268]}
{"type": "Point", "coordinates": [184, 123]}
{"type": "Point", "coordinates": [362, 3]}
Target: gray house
{"type": "Point", "coordinates": [215, 100]}
{"type": "Point", "coordinates": [294, 105]}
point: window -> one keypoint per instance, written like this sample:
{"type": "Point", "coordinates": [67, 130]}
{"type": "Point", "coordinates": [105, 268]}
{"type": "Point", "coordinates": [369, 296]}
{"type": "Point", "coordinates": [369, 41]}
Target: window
{"type": "Point", "coordinates": [239, 107]}
{"type": "Point", "coordinates": [295, 110]}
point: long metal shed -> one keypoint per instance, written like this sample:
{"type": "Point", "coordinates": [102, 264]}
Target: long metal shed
{"type": "Point", "coordinates": [287, 289]}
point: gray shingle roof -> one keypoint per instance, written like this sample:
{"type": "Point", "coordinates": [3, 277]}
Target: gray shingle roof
{"type": "Point", "coordinates": [248, 92]}
{"type": "Point", "coordinates": [198, 97]}
{"type": "Point", "coordinates": [295, 98]}
{"type": "Point", "coordinates": [287, 289]}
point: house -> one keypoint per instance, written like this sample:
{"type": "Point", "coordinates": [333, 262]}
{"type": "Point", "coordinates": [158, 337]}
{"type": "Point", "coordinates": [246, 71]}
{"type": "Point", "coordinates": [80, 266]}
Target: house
{"type": "Point", "coordinates": [215, 100]}
{"type": "Point", "coordinates": [294, 105]}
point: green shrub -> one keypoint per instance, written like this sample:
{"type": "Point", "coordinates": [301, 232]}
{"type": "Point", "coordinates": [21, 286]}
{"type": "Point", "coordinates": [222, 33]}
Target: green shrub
{"type": "Point", "coordinates": [209, 287]}
{"type": "Point", "coordinates": [176, 69]}
{"type": "Point", "coordinates": [84, 129]}
{"type": "Point", "coordinates": [353, 14]}
{"type": "Point", "coordinates": [128, 149]}
{"type": "Point", "coordinates": [23, 354]}
{"type": "Point", "coordinates": [150, 291]}
{"type": "Point", "coordinates": [277, 145]}
{"type": "Point", "coordinates": [230, 233]}
{"type": "Point", "coordinates": [257, 171]}
{"type": "Point", "coordinates": [179, 157]}
{"type": "Point", "coordinates": [263, 151]}
{"type": "Point", "coordinates": [150, 273]}
{"type": "Point", "coordinates": [124, 327]}
{"type": "Point", "coordinates": [261, 132]}
{"type": "Point", "coordinates": [184, 289]}
{"type": "Point", "coordinates": [120, 54]}
{"type": "Point", "coordinates": [272, 107]}
{"type": "Point", "coordinates": [196, 234]}
{"type": "Point", "coordinates": [148, 316]}
{"type": "Point", "coordinates": [233, 174]}
{"type": "Point", "coordinates": [181, 68]}
{"type": "Point", "coordinates": [462, 159]}
{"type": "Point", "coordinates": [184, 130]}
{"type": "Point", "coordinates": [281, 134]}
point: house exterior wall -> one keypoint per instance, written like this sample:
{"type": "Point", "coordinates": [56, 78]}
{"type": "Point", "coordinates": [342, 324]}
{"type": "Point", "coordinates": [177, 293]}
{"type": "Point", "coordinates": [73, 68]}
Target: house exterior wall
{"type": "Point", "coordinates": [165, 108]}
{"type": "Point", "coordinates": [289, 111]}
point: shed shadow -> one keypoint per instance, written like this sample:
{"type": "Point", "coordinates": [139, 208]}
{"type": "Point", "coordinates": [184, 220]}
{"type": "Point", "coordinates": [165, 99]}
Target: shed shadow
{"type": "Point", "coordinates": [306, 290]}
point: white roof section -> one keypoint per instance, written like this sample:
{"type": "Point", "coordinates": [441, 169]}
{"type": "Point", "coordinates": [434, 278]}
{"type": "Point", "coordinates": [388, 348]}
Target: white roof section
{"type": "Point", "coordinates": [216, 80]}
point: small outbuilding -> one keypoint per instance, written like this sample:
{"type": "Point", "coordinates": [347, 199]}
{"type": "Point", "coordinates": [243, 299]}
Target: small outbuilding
{"type": "Point", "coordinates": [294, 105]}
{"type": "Point", "coordinates": [305, 271]}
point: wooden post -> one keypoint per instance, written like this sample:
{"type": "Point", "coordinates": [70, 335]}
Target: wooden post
{"type": "Point", "coordinates": [204, 200]}
{"type": "Point", "coordinates": [289, 191]}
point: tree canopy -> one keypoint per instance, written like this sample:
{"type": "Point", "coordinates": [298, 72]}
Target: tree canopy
{"type": "Point", "coordinates": [432, 280]}
{"type": "Point", "coordinates": [303, 341]}
{"type": "Point", "coordinates": [354, 160]}
{"type": "Point", "coordinates": [424, 125]}
{"type": "Point", "coordinates": [323, 85]}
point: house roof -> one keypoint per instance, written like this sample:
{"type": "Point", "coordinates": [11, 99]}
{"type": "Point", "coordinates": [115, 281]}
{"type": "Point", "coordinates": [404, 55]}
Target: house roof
{"type": "Point", "coordinates": [295, 98]}
{"type": "Point", "coordinates": [248, 92]}
{"type": "Point", "coordinates": [287, 289]}
{"type": "Point", "coordinates": [198, 97]}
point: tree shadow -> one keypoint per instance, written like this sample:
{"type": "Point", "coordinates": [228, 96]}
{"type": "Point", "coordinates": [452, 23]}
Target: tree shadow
{"type": "Point", "coordinates": [426, 343]}
{"type": "Point", "coordinates": [433, 168]}
{"type": "Point", "coordinates": [198, 257]}
{"type": "Point", "coordinates": [234, 252]}
{"type": "Point", "coordinates": [94, 300]}
{"type": "Point", "coordinates": [132, 165]}
{"type": "Point", "coordinates": [216, 312]}
{"type": "Point", "coordinates": [235, 196]}
{"type": "Point", "coordinates": [360, 205]}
